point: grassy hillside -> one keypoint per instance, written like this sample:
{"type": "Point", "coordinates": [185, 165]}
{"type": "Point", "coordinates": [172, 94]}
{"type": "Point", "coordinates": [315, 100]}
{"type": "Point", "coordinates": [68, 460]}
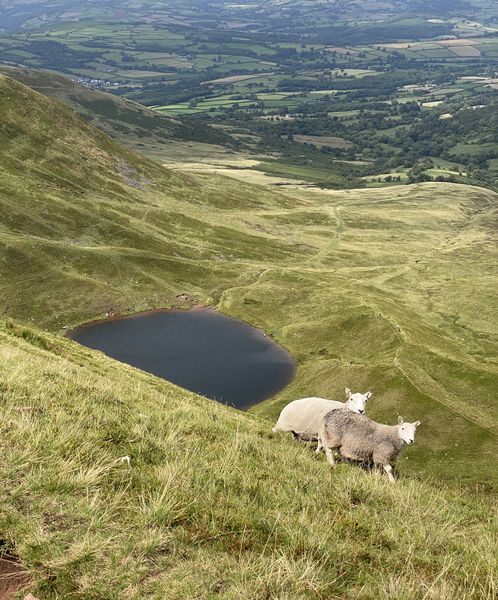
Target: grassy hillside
{"type": "Point", "coordinates": [132, 124]}
{"type": "Point", "coordinates": [212, 505]}
{"type": "Point", "coordinates": [87, 224]}
{"type": "Point", "coordinates": [388, 290]}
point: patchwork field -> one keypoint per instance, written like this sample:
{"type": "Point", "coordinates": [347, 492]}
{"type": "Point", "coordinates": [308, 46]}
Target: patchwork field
{"type": "Point", "coordinates": [268, 79]}
{"type": "Point", "coordinates": [460, 47]}
{"type": "Point", "coordinates": [236, 78]}
{"type": "Point", "coordinates": [321, 141]}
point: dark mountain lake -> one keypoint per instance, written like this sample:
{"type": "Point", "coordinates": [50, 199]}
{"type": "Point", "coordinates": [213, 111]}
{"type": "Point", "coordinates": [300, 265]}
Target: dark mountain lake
{"type": "Point", "coordinates": [201, 350]}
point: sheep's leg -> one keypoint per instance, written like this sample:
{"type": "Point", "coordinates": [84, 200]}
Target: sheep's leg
{"type": "Point", "coordinates": [329, 453]}
{"type": "Point", "coordinates": [319, 446]}
{"type": "Point", "coordinates": [389, 470]}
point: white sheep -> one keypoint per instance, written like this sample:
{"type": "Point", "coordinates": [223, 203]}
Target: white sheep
{"type": "Point", "coordinates": [303, 417]}
{"type": "Point", "coordinates": [359, 438]}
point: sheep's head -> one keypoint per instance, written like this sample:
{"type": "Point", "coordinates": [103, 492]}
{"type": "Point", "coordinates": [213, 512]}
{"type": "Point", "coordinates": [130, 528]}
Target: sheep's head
{"type": "Point", "coordinates": [356, 402]}
{"type": "Point", "coordinates": [406, 431]}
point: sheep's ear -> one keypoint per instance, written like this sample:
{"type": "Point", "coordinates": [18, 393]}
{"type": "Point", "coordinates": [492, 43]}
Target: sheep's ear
{"type": "Point", "coordinates": [348, 392]}
{"type": "Point", "coordinates": [368, 395]}
{"type": "Point", "coordinates": [417, 423]}
{"type": "Point", "coordinates": [400, 420]}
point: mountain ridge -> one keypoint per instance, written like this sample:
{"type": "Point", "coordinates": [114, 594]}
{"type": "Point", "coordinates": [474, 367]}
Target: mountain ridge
{"type": "Point", "coordinates": [134, 125]}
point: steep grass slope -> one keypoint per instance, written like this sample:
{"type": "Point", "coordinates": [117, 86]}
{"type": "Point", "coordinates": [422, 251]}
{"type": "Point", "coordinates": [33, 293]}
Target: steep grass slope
{"type": "Point", "coordinates": [381, 289]}
{"type": "Point", "coordinates": [87, 224]}
{"type": "Point", "coordinates": [211, 504]}
{"type": "Point", "coordinates": [132, 124]}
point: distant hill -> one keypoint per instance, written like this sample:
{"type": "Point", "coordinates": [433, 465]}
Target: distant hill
{"type": "Point", "coordinates": [134, 125]}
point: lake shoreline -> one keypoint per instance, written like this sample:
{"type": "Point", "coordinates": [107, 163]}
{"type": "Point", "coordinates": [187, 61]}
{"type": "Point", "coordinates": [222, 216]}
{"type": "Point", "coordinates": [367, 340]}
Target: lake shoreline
{"type": "Point", "coordinates": [241, 357]}
{"type": "Point", "coordinates": [149, 311]}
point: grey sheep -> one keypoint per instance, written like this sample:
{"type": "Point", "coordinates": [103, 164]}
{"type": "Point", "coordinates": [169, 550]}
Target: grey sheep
{"type": "Point", "coordinates": [359, 438]}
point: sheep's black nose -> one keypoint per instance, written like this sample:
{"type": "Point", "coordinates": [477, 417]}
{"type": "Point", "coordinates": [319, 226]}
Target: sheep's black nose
{"type": "Point", "coordinates": [361, 411]}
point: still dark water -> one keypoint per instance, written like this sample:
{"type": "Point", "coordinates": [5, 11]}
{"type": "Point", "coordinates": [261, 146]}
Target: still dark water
{"type": "Point", "coordinates": [211, 354]}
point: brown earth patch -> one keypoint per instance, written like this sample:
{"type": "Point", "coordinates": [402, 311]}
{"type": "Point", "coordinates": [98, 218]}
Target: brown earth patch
{"type": "Point", "coordinates": [13, 577]}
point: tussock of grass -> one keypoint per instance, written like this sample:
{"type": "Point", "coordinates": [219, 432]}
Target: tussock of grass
{"type": "Point", "coordinates": [211, 504]}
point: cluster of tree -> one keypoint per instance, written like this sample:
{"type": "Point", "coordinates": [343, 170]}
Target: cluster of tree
{"type": "Point", "coordinates": [58, 56]}
{"type": "Point", "coordinates": [381, 32]}
{"type": "Point", "coordinates": [413, 136]}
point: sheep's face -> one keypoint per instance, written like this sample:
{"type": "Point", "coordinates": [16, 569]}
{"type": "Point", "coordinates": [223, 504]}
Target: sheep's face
{"type": "Point", "coordinates": [356, 402]}
{"type": "Point", "coordinates": [406, 431]}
